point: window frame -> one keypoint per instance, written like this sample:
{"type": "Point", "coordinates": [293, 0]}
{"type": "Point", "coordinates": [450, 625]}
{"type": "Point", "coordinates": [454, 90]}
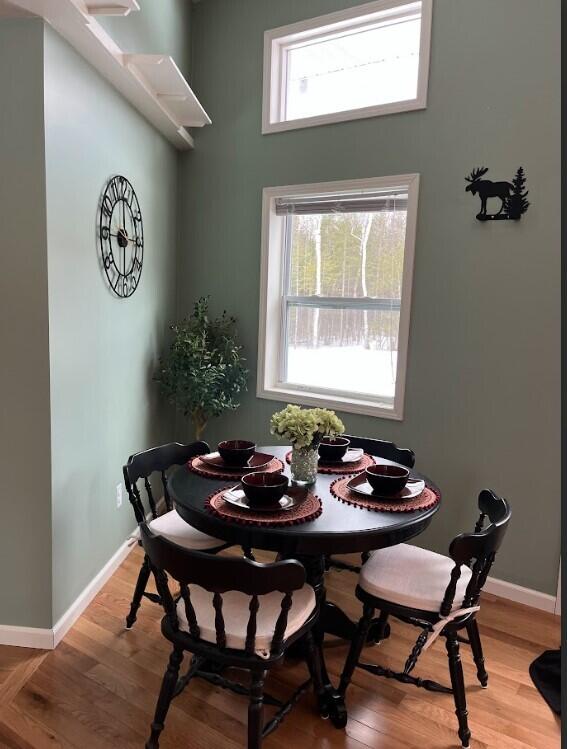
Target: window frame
{"type": "Point", "coordinates": [273, 297]}
{"type": "Point", "coordinates": [277, 41]}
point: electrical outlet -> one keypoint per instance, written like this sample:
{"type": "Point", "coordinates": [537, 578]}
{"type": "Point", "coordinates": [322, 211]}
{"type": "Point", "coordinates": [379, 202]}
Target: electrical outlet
{"type": "Point", "coordinates": [119, 495]}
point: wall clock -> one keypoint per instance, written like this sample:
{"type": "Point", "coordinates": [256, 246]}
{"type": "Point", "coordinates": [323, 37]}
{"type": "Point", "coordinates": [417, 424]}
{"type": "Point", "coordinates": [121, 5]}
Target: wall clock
{"type": "Point", "coordinates": [121, 236]}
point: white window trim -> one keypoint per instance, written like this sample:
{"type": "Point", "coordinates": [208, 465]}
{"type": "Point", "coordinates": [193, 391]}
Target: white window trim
{"type": "Point", "coordinates": [270, 313]}
{"type": "Point", "coordinates": [276, 39]}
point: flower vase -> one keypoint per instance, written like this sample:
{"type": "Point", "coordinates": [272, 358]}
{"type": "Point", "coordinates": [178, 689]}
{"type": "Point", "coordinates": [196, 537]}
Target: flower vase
{"type": "Point", "coordinates": [304, 461]}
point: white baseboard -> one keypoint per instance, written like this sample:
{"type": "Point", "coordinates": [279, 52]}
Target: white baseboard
{"type": "Point", "coordinates": [80, 604]}
{"type": "Point", "coordinates": [26, 637]}
{"type": "Point", "coordinates": [527, 596]}
{"type": "Point", "coordinates": [47, 639]}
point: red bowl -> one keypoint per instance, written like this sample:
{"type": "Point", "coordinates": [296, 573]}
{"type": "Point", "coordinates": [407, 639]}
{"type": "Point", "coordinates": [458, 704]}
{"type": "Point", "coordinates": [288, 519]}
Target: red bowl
{"type": "Point", "coordinates": [386, 479]}
{"type": "Point", "coordinates": [333, 449]}
{"type": "Point", "coordinates": [236, 452]}
{"type": "Point", "coordinates": [263, 487]}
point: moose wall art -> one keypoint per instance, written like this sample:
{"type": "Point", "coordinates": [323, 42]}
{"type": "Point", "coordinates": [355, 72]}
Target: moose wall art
{"type": "Point", "coordinates": [512, 195]}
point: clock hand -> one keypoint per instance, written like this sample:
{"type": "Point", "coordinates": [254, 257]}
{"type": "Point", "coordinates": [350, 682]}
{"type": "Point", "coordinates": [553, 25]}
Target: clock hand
{"type": "Point", "coordinates": [122, 234]}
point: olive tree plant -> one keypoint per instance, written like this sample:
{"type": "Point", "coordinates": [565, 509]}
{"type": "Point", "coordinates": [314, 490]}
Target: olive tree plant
{"type": "Point", "coordinates": [204, 370]}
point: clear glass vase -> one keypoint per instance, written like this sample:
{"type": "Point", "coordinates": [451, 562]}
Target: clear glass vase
{"type": "Point", "coordinates": [304, 461]}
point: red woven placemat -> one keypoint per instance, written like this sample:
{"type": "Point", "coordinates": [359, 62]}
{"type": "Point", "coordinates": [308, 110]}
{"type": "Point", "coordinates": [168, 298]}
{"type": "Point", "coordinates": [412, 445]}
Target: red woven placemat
{"type": "Point", "coordinates": [309, 509]}
{"type": "Point", "coordinates": [428, 498]}
{"type": "Point", "coordinates": [342, 468]}
{"type": "Point", "coordinates": [209, 472]}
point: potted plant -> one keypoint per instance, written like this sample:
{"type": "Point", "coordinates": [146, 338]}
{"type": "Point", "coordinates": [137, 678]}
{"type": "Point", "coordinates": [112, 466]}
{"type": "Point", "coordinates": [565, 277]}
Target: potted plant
{"type": "Point", "coordinates": [204, 371]}
{"type": "Point", "coordinates": [305, 428]}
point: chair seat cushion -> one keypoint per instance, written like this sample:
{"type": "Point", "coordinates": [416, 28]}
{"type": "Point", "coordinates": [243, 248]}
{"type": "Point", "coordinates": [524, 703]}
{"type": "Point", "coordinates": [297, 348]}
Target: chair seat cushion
{"type": "Point", "coordinates": [412, 577]}
{"type": "Point", "coordinates": [175, 529]}
{"type": "Point", "coordinates": [235, 609]}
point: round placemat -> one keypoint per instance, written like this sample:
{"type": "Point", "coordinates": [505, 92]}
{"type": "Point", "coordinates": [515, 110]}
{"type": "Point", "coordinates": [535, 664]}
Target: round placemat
{"type": "Point", "coordinates": [428, 498]}
{"type": "Point", "coordinates": [209, 472]}
{"type": "Point", "coordinates": [342, 469]}
{"type": "Point", "coordinates": [309, 509]}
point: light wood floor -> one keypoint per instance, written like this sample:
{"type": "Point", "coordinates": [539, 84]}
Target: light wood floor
{"type": "Point", "coordinates": [97, 690]}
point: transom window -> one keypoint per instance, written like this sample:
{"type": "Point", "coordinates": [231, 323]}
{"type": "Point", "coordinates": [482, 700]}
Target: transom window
{"type": "Point", "coordinates": [336, 286]}
{"type": "Point", "coordinates": [364, 61]}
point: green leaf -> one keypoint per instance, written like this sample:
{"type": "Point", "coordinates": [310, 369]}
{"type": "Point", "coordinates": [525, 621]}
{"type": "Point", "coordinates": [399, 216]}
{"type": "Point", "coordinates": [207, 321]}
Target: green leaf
{"type": "Point", "coordinates": [204, 369]}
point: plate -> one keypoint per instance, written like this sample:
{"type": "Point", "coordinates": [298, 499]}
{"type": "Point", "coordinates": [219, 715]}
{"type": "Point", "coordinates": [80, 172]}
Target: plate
{"type": "Point", "coordinates": [411, 490]}
{"type": "Point", "coordinates": [237, 498]}
{"type": "Point", "coordinates": [256, 462]}
{"type": "Point", "coordinates": [352, 455]}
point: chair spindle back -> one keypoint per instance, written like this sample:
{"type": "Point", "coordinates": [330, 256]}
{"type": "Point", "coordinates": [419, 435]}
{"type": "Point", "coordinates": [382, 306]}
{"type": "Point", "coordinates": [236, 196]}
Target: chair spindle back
{"type": "Point", "coordinates": [384, 449]}
{"type": "Point", "coordinates": [142, 465]}
{"type": "Point", "coordinates": [477, 550]}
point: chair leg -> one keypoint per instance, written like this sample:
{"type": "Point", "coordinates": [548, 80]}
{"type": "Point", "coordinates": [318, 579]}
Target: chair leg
{"type": "Point", "coordinates": [313, 658]}
{"type": "Point", "coordinates": [356, 647]}
{"type": "Point", "coordinates": [379, 629]}
{"type": "Point", "coordinates": [165, 696]}
{"type": "Point", "coordinates": [139, 591]}
{"type": "Point", "coordinates": [476, 646]}
{"type": "Point", "coordinates": [256, 710]}
{"type": "Point", "coordinates": [458, 685]}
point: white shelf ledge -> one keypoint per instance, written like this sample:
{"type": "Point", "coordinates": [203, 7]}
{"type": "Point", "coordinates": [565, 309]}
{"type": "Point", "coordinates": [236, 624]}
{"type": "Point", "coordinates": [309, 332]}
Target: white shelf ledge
{"type": "Point", "coordinates": [109, 8]}
{"type": "Point", "coordinates": [151, 83]}
{"type": "Point", "coordinates": [163, 80]}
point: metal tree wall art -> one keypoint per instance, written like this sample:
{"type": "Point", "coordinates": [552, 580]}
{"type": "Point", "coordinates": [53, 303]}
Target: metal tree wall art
{"type": "Point", "coordinates": [512, 195]}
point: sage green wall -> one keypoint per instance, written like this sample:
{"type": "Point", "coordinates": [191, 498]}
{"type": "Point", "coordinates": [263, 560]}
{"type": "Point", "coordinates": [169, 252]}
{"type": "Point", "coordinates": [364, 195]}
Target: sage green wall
{"type": "Point", "coordinates": [103, 350]}
{"type": "Point", "coordinates": [25, 531]}
{"type": "Point", "coordinates": [159, 27]}
{"type": "Point", "coordinates": [482, 395]}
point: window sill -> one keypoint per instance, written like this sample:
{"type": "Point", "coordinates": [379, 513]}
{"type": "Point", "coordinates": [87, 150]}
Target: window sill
{"type": "Point", "coordinates": [330, 118]}
{"type": "Point", "coordinates": [340, 403]}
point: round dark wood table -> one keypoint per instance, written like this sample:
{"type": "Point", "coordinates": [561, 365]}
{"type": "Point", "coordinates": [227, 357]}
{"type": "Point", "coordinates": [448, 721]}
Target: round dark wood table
{"type": "Point", "coordinates": [340, 529]}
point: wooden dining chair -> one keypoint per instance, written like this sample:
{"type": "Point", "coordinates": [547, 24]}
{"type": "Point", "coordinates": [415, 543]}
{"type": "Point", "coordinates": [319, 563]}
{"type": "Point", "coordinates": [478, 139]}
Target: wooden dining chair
{"type": "Point", "coordinates": [436, 593]}
{"type": "Point", "coordinates": [232, 612]}
{"type": "Point", "coordinates": [378, 449]}
{"type": "Point", "coordinates": [141, 466]}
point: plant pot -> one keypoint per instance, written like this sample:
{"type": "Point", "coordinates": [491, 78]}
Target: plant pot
{"type": "Point", "coordinates": [304, 462]}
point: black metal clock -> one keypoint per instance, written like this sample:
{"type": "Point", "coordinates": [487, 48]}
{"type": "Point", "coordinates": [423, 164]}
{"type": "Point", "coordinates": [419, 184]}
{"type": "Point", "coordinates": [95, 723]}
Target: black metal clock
{"type": "Point", "coordinates": [121, 236]}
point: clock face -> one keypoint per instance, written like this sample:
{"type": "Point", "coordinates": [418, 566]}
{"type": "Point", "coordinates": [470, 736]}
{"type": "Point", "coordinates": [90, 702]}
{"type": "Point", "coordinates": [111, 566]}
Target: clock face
{"type": "Point", "coordinates": [121, 236]}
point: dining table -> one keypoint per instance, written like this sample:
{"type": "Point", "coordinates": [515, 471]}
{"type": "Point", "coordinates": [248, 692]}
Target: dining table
{"type": "Point", "coordinates": [340, 528]}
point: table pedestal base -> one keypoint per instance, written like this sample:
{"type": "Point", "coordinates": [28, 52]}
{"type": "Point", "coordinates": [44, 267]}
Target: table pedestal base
{"type": "Point", "coordinates": [331, 703]}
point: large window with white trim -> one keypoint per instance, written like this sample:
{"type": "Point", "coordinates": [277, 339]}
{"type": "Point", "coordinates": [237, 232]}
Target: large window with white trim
{"type": "Point", "coordinates": [337, 263]}
{"type": "Point", "coordinates": [360, 62]}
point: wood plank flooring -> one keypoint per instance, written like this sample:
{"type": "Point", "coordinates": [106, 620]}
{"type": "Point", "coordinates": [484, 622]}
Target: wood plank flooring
{"type": "Point", "coordinates": [97, 690]}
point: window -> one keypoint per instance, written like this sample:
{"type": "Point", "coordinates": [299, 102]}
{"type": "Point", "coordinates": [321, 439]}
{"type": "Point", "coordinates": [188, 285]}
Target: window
{"type": "Point", "coordinates": [361, 62]}
{"type": "Point", "coordinates": [337, 263]}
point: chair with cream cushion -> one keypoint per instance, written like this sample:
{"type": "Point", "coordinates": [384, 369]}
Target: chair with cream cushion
{"type": "Point", "coordinates": [440, 594]}
{"type": "Point", "coordinates": [232, 612]}
{"type": "Point", "coordinates": [411, 577]}
{"type": "Point", "coordinates": [170, 524]}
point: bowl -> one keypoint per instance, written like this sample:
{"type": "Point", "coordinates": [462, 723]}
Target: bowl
{"type": "Point", "coordinates": [236, 452]}
{"type": "Point", "coordinates": [333, 449]}
{"type": "Point", "coordinates": [264, 488]}
{"type": "Point", "coordinates": [386, 479]}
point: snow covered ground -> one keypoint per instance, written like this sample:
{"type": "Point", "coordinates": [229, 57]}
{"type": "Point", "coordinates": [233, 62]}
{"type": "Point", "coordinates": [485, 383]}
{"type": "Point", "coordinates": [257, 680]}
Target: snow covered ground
{"type": "Point", "coordinates": [344, 368]}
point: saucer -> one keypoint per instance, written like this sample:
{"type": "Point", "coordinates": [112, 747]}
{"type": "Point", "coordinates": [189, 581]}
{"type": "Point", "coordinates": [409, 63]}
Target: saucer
{"type": "Point", "coordinates": [411, 490]}
{"type": "Point", "coordinates": [256, 463]}
{"type": "Point", "coordinates": [352, 455]}
{"type": "Point", "coordinates": [237, 498]}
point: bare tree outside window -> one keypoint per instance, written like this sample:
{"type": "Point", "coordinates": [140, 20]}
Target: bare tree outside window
{"type": "Point", "coordinates": [355, 259]}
